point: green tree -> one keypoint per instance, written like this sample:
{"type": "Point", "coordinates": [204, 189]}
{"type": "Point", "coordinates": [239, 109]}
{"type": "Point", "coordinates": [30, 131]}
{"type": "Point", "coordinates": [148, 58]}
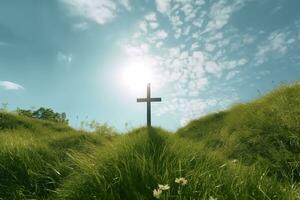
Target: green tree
{"type": "Point", "coordinates": [45, 114]}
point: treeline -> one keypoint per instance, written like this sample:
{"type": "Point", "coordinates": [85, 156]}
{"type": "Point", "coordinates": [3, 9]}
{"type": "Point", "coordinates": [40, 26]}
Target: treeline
{"type": "Point", "coordinates": [45, 114]}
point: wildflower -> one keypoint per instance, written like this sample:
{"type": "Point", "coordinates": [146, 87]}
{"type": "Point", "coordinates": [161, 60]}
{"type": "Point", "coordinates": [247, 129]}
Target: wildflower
{"type": "Point", "coordinates": [234, 160]}
{"type": "Point", "coordinates": [163, 187]}
{"type": "Point", "coordinates": [157, 193]}
{"type": "Point", "coordinates": [181, 181]}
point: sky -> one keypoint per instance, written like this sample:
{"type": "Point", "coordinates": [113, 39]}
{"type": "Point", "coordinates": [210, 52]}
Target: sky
{"type": "Point", "coordinates": [92, 58]}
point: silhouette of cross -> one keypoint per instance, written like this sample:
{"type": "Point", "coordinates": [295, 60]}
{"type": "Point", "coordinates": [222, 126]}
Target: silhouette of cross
{"type": "Point", "coordinates": [148, 100]}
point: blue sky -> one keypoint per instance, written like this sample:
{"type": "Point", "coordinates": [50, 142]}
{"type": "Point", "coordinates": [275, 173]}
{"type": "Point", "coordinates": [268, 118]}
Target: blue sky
{"type": "Point", "coordinates": [203, 56]}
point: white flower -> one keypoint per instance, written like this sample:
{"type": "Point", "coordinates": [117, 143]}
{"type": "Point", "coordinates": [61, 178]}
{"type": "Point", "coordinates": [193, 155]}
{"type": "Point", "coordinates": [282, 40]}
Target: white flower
{"type": "Point", "coordinates": [163, 187]}
{"type": "Point", "coordinates": [157, 193]}
{"type": "Point", "coordinates": [234, 160]}
{"type": "Point", "coordinates": [181, 181]}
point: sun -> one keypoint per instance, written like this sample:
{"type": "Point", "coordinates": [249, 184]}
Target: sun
{"type": "Point", "coordinates": [136, 74]}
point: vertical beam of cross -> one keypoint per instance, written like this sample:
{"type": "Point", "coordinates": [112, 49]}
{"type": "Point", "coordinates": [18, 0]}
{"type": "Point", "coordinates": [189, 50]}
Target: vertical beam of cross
{"type": "Point", "coordinates": [148, 105]}
{"type": "Point", "coordinates": [148, 100]}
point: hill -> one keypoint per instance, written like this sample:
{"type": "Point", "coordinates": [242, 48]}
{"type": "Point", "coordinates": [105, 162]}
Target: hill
{"type": "Point", "coordinates": [265, 132]}
{"type": "Point", "coordinates": [248, 152]}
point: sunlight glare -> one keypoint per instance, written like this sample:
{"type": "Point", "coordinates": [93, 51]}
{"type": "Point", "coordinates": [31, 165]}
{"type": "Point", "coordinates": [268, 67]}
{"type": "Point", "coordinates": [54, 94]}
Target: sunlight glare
{"type": "Point", "coordinates": [136, 75]}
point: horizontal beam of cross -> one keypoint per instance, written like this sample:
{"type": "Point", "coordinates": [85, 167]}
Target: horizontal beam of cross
{"type": "Point", "coordinates": [146, 100]}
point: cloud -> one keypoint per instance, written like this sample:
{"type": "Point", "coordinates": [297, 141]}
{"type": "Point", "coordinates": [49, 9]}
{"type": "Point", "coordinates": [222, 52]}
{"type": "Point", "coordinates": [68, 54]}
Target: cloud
{"type": "Point", "coordinates": [276, 9]}
{"type": "Point", "coordinates": [248, 39]}
{"type": "Point", "coordinates": [231, 75]}
{"type": "Point", "coordinates": [99, 11]}
{"type": "Point", "coordinates": [194, 49]}
{"type": "Point", "coordinates": [143, 26]}
{"type": "Point", "coordinates": [278, 42]}
{"type": "Point", "coordinates": [210, 47]}
{"type": "Point", "coordinates": [152, 21]}
{"type": "Point", "coordinates": [163, 6]}
{"type": "Point", "coordinates": [81, 26]}
{"type": "Point", "coordinates": [151, 17]}
{"type": "Point", "coordinates": [213, 68]}
{"type": "Point", "coordinates": [220, 14]}
{"type": "Point", "coordinates": [161, 34]}
{"type": "Point", "coordinates": [61, 57]}
{"type": "Point", "coordinates": [153, 25]}
{"type": "Point", "coordinates": [126, 4]}
{"type": "Point", "coordinates": [7, 85]}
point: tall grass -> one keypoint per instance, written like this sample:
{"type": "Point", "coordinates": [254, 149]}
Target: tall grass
{"type": "Point", "coordinates": [222, 156]}
{"type": "Point", "coordinates": [265, 132]}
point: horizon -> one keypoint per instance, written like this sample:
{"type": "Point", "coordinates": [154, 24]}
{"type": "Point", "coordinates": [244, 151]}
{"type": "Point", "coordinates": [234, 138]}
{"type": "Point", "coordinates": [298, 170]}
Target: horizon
{"type": "Point", "coordinates": [92, 59]}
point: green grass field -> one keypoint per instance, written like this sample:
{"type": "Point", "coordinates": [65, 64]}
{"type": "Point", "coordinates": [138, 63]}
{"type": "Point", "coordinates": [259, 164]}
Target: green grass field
{"type": "Point", "coordinates": [251, 151]}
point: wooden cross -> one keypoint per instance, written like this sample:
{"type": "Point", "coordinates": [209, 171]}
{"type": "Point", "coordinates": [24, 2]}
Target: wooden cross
{"type": "Point", "coordinates": [148, 100]}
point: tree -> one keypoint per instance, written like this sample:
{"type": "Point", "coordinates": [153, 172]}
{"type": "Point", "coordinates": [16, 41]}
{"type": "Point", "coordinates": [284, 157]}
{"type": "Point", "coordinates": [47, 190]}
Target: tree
{"type": "Point", "coordinates": [45, 114]}
{"type": "Point", "coordinates": [27, 113]}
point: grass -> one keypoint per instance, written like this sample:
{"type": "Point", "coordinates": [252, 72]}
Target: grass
{"type": "Point", "coordinates": [248, 152]}
{"type": "Point", "coordinates": [265, 132]}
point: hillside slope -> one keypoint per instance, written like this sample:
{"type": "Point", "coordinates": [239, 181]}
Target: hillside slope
{"type": "Point", "coordinates": [45, 160]}
{"type": "Point", "coordinates": [265, 132]}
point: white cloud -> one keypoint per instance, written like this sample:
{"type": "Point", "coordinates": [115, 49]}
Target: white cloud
{"type": "Point", "coordinates": [126, 4]}
{"type": "Point", "coordinates": [176, 21]}
{"type": "Point", "coordinates": [216, 37]}
{"type": "Point", "coordinates": [276, 9]}
{"type": "Point", "coordinates": [231, 64]}
{"type": "Point", "coordinates": [61, 57]}
{"type": "Point", "coordinates": [99, 11]}
{"type": "Point", "coordinates": [210, 47]}
{"type": "Point", "coordinates": [190, 108]}
{"type": "Point", "coordinates": [194, 46]}
{"type": "Point", "coordinates": [7, 85]}
{"type": "Point", "coordinates": [213, 68]}
{"type": "Point", "coordinates": [184, 69]}
{"type": "Point", "coordinates": [231, 75]}
{"type": "Point", "coordinates": [177, 34]}
{"type": "Point", "coordinates": [153, 25]}
{"type": "Point", "coordinates": [143, 26]}
{"type": "Point", "coordinates": [135, 50]}
{"type": "Point", "coordinates": [248, 39]}
{"type": "Point", "coordinates": [81, 26]}
{"type": "Point", "coordinates": [220, 14]}
{"type": "Point", "coordinates": [187, 9]}
{"type": "Point", "coordinates": [151, 17]}
{"type": "Point", "coordinates": [186, 30]}
{"type": "Point", "coordinates": [163, 6]}
{"type": "Point", "coordinates": [161, 34]}
{"type": "Point", "coordinates": [199, 2]}
{"type": "Point", "coordinates": [278, 42]}
{"type": "Point", "coordinates": [159, 44]}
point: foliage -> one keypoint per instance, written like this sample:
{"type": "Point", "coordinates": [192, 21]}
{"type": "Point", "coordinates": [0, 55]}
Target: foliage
{"type": "Point", "coordinates": [45, 114]}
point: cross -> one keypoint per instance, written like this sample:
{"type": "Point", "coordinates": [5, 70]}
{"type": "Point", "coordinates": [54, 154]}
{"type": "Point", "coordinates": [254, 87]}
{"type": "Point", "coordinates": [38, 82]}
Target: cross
{"type": "Point", "coordinates": [148, 100]}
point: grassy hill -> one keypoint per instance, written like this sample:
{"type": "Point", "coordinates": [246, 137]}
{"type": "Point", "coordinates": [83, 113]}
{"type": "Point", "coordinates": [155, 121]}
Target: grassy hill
{"type": "Point", "coordinates": [265, 132]}
{"type": "Point", "coordinates": [248, 152]}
